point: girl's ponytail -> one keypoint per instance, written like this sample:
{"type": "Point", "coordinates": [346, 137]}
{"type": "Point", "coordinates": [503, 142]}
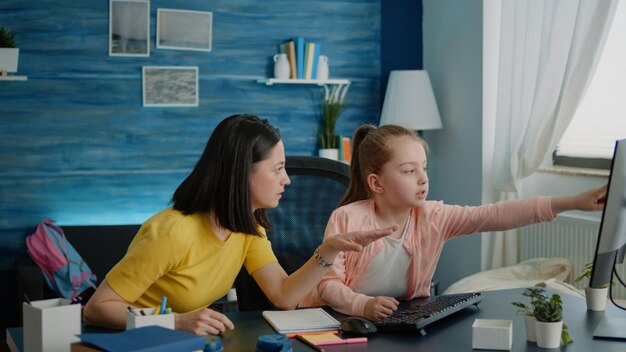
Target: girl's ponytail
{"type": "Point", "coordinates": [357, 189]}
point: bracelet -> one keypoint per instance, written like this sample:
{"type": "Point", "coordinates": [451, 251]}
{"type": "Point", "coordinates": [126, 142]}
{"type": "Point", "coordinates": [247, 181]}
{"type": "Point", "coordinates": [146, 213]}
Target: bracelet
{"type": "Point", "coordinates": [320, 260]}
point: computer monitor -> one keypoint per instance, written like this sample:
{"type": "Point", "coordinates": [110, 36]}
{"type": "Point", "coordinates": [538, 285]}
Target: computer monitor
{"type": "Point", "coordinates": [612, 236]}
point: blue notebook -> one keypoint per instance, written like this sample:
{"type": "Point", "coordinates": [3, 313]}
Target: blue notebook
{"type": "Point", "coordinates": [145, 339]}
{"type": "Point", "coordinates": [15, 339]}
{"type": "Point", "coordinates": [299, 57]}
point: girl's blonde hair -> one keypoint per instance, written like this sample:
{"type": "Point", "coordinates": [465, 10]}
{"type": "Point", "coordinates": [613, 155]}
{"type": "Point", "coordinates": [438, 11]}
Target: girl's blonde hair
{"type": "Point", "coordinates": [370, 152]}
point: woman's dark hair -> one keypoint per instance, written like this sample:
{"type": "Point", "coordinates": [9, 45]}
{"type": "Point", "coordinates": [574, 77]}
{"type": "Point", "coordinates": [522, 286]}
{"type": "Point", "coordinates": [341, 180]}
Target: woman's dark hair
{"type": "Point", "coordinates": [220, 180]}
{"type": "Point", "coordinates": [370, 152]}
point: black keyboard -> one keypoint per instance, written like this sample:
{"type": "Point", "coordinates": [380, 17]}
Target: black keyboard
{"type": "Point", "coordinates": [414, 315]}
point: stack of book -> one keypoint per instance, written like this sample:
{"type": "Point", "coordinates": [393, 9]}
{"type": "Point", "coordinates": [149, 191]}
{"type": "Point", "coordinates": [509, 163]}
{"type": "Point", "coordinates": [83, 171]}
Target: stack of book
{"type": "Point", "coordinates": [303, 56]}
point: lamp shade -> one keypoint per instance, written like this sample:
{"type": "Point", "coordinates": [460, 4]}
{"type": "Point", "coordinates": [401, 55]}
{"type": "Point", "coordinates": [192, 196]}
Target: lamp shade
{"type": "Point", "coordinates": [410, 101]}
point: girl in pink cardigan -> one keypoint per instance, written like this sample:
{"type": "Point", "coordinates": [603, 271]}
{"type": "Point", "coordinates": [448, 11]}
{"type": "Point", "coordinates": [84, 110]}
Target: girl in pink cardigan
{"type": "Point", "coordinates": [388, 186]}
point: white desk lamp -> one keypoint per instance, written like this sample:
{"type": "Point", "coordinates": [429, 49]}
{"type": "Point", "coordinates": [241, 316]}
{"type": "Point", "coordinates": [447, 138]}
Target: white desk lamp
{"type": "Point", "coordinates": [410, 102]}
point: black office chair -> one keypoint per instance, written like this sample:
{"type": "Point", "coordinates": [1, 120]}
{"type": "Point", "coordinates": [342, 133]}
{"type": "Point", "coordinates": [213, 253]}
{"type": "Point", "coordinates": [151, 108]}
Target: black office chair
{"type": "Point", "coordinates": [299, 221]}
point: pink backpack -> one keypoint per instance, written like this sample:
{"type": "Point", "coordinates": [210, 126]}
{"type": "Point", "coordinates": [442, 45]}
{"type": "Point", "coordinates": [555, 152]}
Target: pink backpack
{"type": "Point", "coordinates": [63, 268]}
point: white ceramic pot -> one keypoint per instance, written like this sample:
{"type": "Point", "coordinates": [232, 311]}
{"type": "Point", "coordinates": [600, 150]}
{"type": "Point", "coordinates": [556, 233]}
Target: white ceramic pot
{"type": "Point", "coordinates": [322, 67]}
{"type": "Point", "coordinates": [596, 298]}
{"type": "Point", "coordinates": [281, 66]}
{"type": "Point", "coordinates": [331, 153]}
{"type": "Point", "coordinates": [529, 322]}
{"type": "Point", "coordinates": [8, 59]}
{"type": "Point", "coordinates": [548, 334]}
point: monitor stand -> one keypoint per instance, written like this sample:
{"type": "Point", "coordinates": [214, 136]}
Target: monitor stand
{"type": "Point", "coordinates": [612, 328]}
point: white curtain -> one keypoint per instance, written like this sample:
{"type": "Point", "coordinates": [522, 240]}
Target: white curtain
{"type": "Point", "coordinates": [548, 51]}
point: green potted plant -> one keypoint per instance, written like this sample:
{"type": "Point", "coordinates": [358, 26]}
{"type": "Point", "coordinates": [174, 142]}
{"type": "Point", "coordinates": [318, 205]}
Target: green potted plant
{"type": "Point", "coordinates": [8, 52]}
{"type": "Point", "coordinates": [549, 328]}
{"type": "Point", "coordinates": [535, 295]}
{"type": "Point", "coordinates": [595, 296]}
{"type": "Point", "coordinates": [331, 107]}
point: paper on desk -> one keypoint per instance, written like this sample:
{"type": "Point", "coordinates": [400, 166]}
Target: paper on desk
{"type": "Point", "coordinates": [300, 320]}
{"type": "Point", "coordinates": [317, 338]}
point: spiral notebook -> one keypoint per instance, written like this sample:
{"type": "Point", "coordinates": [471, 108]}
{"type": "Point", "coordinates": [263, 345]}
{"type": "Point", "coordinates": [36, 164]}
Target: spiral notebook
{"type": "Point", "coordinates": [300, 320]}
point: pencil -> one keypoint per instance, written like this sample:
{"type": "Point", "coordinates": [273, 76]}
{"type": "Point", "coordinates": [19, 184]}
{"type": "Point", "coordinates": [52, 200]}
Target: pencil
{"type": "Point", "coordinates": [309, 343]}
{"type": "Point", "coordinates": [292, 335]}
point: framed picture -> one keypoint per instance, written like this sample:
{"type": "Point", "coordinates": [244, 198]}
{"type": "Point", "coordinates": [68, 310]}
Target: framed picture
{"type": "Point", "coordinates": [184, 30]}
{"type": "Point", "coordinates": [129, 28]}
{"type": "Point", "coordinates": [170, 85]}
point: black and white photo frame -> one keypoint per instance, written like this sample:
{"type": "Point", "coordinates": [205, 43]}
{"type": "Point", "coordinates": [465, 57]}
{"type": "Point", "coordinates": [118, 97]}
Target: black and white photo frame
{"type": "Point", "coordinates": [129, 28]}
{"type": "Point", "coordinates": [184, 30]}
{"type": "Point", "coordinates": [170, 86]}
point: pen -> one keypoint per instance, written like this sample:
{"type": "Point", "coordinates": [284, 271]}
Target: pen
{"type": "Point", "coordinates": [142, 312]}
{"type": "Point", "coordinates": [163, 305]}
{"type": "Point", "coordinates": [309, 343]}
{"type": "Point", "coordinates": [343, 341]}
{"type": "Point", "coordinates": [292, 335]}
{"type": "Point", "coordinates": [131, 311]}
{"type": "Point", "coordinates": [27, 299]}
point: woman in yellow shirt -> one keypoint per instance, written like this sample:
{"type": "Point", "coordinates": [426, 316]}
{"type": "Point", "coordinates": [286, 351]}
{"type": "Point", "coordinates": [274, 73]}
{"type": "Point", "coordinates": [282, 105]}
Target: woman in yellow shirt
{"type": "Point", "coordinates": [191, 253]}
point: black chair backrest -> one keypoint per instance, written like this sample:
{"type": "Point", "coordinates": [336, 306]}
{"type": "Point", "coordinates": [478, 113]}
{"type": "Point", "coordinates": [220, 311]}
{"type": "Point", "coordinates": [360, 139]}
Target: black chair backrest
{"type": "Point", "coordinates": [299, 221]}
{"type": "Point", "coordinates": [101, 246]}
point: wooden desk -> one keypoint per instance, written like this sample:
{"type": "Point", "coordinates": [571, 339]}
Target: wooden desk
{"type": "Point", "coordinates": [451, 334]}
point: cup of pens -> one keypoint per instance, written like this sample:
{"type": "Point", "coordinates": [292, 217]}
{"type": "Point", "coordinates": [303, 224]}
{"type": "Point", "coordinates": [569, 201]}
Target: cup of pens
{"type": "Point", "coordinates": [161, 316]}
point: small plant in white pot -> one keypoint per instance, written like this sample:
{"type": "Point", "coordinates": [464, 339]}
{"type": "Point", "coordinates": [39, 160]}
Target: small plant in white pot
{"type": "Point", "coordinates": [595, 296]}
{"type": "Point", "coordinates": [8, 52]}
{"type": "Point", "coordinates": [549, 327]}
{"type": "Point", "coordinates": [332, 106]}
{"type": "Point", "coordinates": [535, 294]}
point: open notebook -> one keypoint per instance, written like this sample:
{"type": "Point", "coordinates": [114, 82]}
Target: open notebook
{"type": "Point", "coordinates": [300, 320]}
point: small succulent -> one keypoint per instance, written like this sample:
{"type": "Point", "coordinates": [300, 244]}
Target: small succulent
{"type": "Point", "coordinates": [544, 309]}
{"type": "Point", "coordinates": [535, 295]}
{"type": "Point", "coordinates": [549, 310]}
{"type": "Point", "coordinates": [7, 38]}
{"type": "Point", "coordinates": [586, 273]}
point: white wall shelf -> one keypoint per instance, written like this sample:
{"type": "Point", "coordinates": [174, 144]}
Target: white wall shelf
{"type": "Point", "coordinates": [13, 78]}
{"type": "Point", "coordinates": [319, 82]}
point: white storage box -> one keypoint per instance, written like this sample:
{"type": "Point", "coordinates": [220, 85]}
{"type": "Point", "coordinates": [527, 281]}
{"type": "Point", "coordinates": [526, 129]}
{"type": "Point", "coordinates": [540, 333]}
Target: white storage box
{"type": "Point", "coordinates": [134, 319]}
{"type": "Point", "coordinates": [50, 325]}
{"type": "Point", "coordinates": [492, 334]}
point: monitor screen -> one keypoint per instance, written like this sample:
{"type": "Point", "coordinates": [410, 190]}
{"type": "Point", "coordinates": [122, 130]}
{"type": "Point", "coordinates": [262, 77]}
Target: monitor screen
{"type": "Point", "coordinates": [612, 235]}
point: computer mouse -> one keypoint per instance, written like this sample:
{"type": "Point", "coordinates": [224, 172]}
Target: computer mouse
{"type": "Point", "coordinates": [358, 326]}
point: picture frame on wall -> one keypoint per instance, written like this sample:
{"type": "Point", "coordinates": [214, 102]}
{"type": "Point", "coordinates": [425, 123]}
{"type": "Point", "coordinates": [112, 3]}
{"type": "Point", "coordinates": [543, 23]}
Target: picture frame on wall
{"type": "Point", "coordinates": [170, 86]}
{"type": "Point", "coordinates": [129, 28]}
{"type": "Point", "coordinates": [184, 30]}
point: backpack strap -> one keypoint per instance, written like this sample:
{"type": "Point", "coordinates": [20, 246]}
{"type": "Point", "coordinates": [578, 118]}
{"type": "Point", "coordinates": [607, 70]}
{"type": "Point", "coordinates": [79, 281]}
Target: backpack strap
{"type": "Point", "coordinates": [76, 275]}
{"type": "Point", "coordinates": [44, 252]}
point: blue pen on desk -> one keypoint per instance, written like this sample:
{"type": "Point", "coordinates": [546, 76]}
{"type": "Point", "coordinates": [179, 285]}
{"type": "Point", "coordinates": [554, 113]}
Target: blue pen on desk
{"type": "Point", "coordinates": [163, 305]}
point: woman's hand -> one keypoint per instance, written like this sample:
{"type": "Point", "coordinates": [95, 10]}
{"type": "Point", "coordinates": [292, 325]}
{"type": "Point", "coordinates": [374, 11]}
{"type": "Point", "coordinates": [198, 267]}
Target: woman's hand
{"type": "Point", "coordinates": [380, 307]}
{"type": "Point", "coordinates": [591, 200]}
{"type": "Point", "coordinates": [203, 322]}
{"type": "Point", "coordinates": [351, 241]}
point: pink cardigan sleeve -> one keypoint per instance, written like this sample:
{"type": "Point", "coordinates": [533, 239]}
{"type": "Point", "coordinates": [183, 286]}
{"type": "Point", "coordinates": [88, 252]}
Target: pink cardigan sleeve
{"type": "Point", "coordinates": [332, 288]}
{"type": "Point", "coordinates": [462, 220]}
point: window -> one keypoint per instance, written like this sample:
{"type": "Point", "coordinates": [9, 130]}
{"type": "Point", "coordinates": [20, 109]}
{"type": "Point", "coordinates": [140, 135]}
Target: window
{"type": "Point", "coordinates": [601, 117]}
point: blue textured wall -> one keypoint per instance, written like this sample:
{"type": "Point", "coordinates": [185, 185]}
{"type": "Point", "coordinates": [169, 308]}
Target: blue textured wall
{"type": "Point", "coordinates": [77, 146]}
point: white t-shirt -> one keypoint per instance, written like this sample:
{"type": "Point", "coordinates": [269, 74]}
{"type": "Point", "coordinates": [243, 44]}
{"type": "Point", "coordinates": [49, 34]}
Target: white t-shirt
{"type": "Point", "coordinates": [386, 275]}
